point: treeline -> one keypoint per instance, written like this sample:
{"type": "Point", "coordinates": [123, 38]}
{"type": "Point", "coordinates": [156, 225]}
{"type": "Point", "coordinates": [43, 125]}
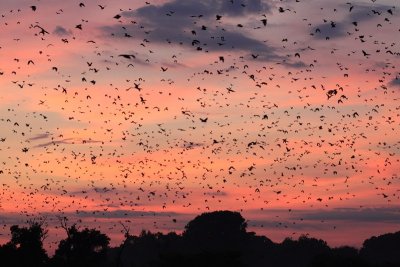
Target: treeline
{"type": "Point", "coordinates": [211, 239]}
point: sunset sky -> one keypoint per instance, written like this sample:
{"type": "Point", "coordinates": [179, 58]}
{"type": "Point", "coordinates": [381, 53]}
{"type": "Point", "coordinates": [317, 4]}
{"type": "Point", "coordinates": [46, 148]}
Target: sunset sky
{"type": "Point", "coordinates": [144, 113]}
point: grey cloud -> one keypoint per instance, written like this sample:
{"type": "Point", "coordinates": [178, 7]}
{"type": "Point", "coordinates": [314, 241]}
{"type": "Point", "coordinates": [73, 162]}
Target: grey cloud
{"type": "Point", "coordinates": [190, 145]}
{"type": "Point", "coordinates": [65, 142]}
{"type": "Point", "coordinates": [115, 214]}
{"type": "Point", "coordinates": [395, 82]}
{"type": "Point", "coordinates": [217, 193]}
{"type": "Point", "coordinates": [179, 8]}
{"type": "Point", "coordinates": [326, 30]}
{"type": "Point", "coordinates": [205, 8]}
{"type": "Point", "coordinates": [273, 223]}
{"type": "Point", "coordinates": [174, 22]}
{"type": "Point", "coordinates": [362, 13]}
{"type": "Point", "coordinates": [295, 65]}
{"type": "Point", "coordinates": [359, 14]}
{"type": "Point", "coordinates": [240, 41]}
{"type": "Point", "coordinates": [39, 136]}
{"type": "Point", "coordinates": [10, 218]}
{"type": "Point", "coordinates": [16, 218]}
{"type": "Point", "coordinates": [61, 31]}
{"type": "Point", "coordinates": [390, 215]}
{"type": "Point", "coordinates": [68, 141]}
{"type": "Point", "coordinates": [236, 8]}
{"type": "Point", "coordinates": [269, 56]}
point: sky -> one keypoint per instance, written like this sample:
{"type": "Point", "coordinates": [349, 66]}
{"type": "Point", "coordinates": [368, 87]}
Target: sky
{"type": "Point", "coordinates": [147, 114]}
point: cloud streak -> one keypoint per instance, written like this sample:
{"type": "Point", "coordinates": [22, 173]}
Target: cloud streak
{"type": "Point", "coordinates": [194, 25]}
{"type": "Point", "coordinates": [332, 29]}
{"type": "Point", "coordinates": [395, 82]}
{"type": "Point", "coordinates": [389, 215]}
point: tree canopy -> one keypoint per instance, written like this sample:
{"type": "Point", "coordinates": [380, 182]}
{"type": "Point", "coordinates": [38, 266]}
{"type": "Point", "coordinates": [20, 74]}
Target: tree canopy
{"type": "Point", "coordinates": [211, 239]}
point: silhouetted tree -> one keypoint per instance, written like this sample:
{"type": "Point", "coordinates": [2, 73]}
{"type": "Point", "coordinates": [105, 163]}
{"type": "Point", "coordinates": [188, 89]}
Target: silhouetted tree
{"type": "Point", "coordinates": [218, 223]}
{"type": "Point", "coordinates": [219, 230]}
{"type": "Point", "coordinates": [8, 255]}
{"type": "Point", "coordinates": [300, 252]}
{"type": "Point", "coordinates": [146, 248]}
{"type": "Point", "coordinates": [211, 239]}
{"type": "Point", "coordinates": [383, 250]}
{"type": "Point", "coordinates": [342, 257]}
{"type": "Point", "coordinates": [142, 249]}
{"type": "Point", "coordinates": [258, 250]}
{"type": "Point", "coordinates": [87, 247]}
{"type": "Point", "coordinates": [202, 259]}
{"type": "Point", "coordinates": [25, 247]}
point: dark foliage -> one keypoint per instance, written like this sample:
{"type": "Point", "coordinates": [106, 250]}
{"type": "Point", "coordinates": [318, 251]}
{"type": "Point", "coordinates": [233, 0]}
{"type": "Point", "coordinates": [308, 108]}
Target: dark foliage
{"type": "Point", "coordinates": [383, 250]}
{"type": "Point", "coordinates": [87, 247]}
{"type": "Point", "coordinates": [211, 239]}
{"type": "Point", "coordinates": [342, 256]}
{"type": "Point", "coordinates": [25, 247]}
{"type": "Point", "coordinates": [217, 231]}
{"type": "Point", "coordinates": [206, 258]}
